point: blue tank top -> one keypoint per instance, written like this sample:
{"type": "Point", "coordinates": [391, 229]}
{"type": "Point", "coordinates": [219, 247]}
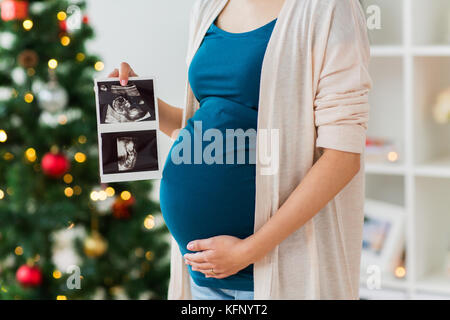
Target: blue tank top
{"type": "Point", "coordinates": [216, 195]}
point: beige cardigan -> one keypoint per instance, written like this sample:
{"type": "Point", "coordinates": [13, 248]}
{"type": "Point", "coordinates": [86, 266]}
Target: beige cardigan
{"type": "Point", "coordinates": [314, 88]}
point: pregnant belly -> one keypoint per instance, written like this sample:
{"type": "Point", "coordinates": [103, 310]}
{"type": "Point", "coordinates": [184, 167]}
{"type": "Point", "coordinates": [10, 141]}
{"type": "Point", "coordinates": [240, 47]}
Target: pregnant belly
{"type": "Point", "coordinates": [199, 203]}
{"type": "Point", "coordinates": [204, 200]}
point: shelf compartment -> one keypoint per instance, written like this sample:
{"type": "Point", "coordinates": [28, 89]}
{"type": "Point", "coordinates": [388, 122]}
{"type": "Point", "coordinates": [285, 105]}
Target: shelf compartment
{"type": "Point", "coordinates": [386, 100]}
{"type": "Point", "coordinates": [431, 22]}
{"type": "Point", "coordinates": [431, 228]}
{"type": "Point", "coordinates": [387, 188]}
{"type": "Point", "coordinates": [431, 139]}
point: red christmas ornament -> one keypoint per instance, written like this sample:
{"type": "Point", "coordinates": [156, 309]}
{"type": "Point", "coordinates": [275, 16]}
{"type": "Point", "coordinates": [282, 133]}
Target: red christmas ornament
{"type": "Point", "coordinates": [63, 26]}
{"type": "Point", "coordinates": [55, 165]}
{"type": "Point", "coordinates": [29, 276]}
{"type": "Point", "coordinates": [13, 10]}
{"type": "Point", "coordinates": [85, 19]}
{"type": "Point", "coordinates": [121, 209]}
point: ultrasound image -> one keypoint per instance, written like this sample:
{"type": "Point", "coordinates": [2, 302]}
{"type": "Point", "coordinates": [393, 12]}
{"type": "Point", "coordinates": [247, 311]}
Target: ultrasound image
{"type": "Point", "coordinates": [126, 152]}
{"type": "Point", "coordinates": [130, 151]}
{"type": "Point", "coordinates": [131, 103]}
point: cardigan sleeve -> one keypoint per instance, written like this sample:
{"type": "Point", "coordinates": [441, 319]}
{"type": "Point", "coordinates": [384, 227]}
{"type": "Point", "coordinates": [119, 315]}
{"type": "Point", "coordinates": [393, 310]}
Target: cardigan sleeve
{"type": "Point", "coordinates": [193, 26]}
{"type": "Point", "coordinates": [341, 102]}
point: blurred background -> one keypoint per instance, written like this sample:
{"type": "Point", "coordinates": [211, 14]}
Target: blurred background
{"type": "Point", "coordinates": [408, 150]}
{"type": "Point", "coordinates": [54, 214]}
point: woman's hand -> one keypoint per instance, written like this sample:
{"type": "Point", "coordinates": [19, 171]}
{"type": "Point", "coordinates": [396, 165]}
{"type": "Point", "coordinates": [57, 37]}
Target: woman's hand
{"type": "Point", "coordinates": [219, 257]}
{"type": "Point", "coordinates": [123, 74]}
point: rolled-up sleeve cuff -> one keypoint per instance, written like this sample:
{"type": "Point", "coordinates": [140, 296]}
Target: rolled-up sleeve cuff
{"type": "Point", "coordinates": [349, 138]}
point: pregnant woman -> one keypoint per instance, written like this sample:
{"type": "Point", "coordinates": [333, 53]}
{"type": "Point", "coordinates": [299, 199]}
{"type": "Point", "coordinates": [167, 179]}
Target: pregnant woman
{"type": "Point", "coordinates": [284, 82]}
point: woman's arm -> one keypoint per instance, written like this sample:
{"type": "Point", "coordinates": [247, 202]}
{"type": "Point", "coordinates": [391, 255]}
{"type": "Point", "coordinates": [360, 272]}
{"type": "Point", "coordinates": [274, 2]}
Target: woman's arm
{"type": "Point", "coordinates": [170, 117]}
{"type": "Point", "coordinates": [330, 174]}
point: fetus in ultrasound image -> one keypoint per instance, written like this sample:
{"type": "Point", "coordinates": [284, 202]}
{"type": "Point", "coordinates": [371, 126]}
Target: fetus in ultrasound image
{"type": "Point", "coordinates": [130, 151]}
{"type": "Point", "coordinates": [131, 103]}
{"type": "Point", "coordinates": [127, 153]}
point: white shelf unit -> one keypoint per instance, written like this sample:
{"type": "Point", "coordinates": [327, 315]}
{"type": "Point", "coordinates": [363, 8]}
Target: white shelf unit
{"type": "Point", "coordinates": [410, 65]}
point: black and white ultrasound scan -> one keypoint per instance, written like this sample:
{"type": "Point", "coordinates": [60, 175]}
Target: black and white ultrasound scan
{"type": "Point", "coordinates": [128, 124]}
{"type": "Point", "coordinates": [131, 103]}
{"type": "Point", "coordinates": [129, 152]}
{"type": "Point", "coordinates": [126, 152]}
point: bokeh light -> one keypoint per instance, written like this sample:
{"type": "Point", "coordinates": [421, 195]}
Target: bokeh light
{"type": "Point", "coordinates": [80, 56]}
{"type": "Point", "coordinates": [68, 192]}
{"type": "Point", "coordinates": [77, 190]}
{"type": "Point", "coordinates": [125, 195]}
{"type": "Point", "coordinates": [102, 195]}
{"type": "Point", "coordinates": [94, 196]}
{"type": "Point", "coordinates": [110, 191]}
{"type": "Point", "coordinates": [28, 97]}
{"type": "Point", "coordinates": [27, 24]}
{"type": "Point", "coordinates": [61, 16]}
{"type": "Point", "coordinates": [392, 156]}
{"type": "Point", "coordinates": [8, 156]}
{"type": "Point", "coordinates": [52, 63]}
{"type": "Point", "coordinates": [3, 136]}
{"type": "Point", "coordinates": [80, 157]}
{"type": "Point", "coordinates": [68, 178]}
{"type": "Point", "coordinates": [65, 41]}
{"type": "Point", "coordinates": [30, 154]}
{"type": "Point", "coordinates": [57, 274]}
{"type": "Point", "coordinates": [18, 251]}
{"type": "Point", "coordinates": [149, 222]}
{"type": "Point", "coordinates": [149, 255]}
{"type": "Point", "coordinates": [82, 139]}
{"type": "Point", "coordinates": [400, 272]}
{"type": "Point", "coordinates": [99, 66]}
{"type": "Point", "coordinates": [62, 119]}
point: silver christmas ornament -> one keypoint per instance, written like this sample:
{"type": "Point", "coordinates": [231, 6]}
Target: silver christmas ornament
{"type": "Point", "coordinates": [5, 93]}
{"type": "Point", "coordinates": [18, 75]}
{"type": "Point", "coordinates": [7, 39]}
{"type": "Point", "coordinates": [52, 97]}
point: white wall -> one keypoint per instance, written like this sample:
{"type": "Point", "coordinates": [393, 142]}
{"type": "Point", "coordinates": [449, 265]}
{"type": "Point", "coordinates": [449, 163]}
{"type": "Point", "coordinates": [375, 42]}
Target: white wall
{"type": "Point", "coordinates": [151, 35]}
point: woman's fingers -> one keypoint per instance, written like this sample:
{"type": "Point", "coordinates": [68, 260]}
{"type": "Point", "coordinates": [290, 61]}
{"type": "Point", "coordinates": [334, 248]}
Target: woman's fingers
{"type": "Point", "coordinates": [125, 72]}
{"type": "Point", "coordinates": [208, 270]}
{"type": "Point", "coordinates": [216, 274]}
{"type": "Point", "coordinates": [202, 256]}
{"type": "Point", "coordinates": [202, 267]}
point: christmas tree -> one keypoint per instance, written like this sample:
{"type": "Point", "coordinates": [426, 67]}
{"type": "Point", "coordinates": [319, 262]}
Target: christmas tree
{"type": "Point", "coordinates": [62, 234]}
